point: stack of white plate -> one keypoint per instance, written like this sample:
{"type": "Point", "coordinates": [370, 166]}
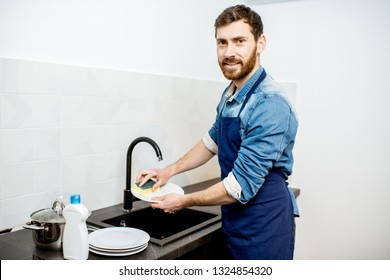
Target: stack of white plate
{"type": "Point", "coordinates": [118, 241]}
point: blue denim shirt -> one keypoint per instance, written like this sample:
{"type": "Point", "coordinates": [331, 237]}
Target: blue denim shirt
{"type": "Point", "coordinates": [268, 129]}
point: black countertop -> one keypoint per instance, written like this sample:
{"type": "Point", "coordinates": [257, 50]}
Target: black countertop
{"type": "Point", "coordinates": [19, 245]}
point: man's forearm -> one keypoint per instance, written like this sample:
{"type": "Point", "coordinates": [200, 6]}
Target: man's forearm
{"type": "Point", "coordinates": [214, 195]}
{"type": "Point", "coordinates": [195, 157]}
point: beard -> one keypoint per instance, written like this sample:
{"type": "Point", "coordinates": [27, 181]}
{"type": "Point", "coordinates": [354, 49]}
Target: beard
{"type": "Point", "coordinates": [243, 71]}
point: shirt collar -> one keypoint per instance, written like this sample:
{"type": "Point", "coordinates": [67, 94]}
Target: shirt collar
{"type": "Point", "coordinates": [232, 94]}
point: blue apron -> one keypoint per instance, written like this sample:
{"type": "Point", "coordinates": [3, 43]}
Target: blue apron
{"type": "Point", "coordinates": [263, 228]}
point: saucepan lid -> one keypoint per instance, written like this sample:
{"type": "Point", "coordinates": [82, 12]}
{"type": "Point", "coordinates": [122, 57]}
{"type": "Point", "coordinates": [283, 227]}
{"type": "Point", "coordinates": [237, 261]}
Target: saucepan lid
{"type": "Point", "coordinates": [47, 215]}
{"type": "Point", "coordinates": [50, 215]}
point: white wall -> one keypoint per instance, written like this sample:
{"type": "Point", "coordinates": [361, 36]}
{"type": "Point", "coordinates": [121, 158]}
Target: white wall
{"type": "Point", "coordinates": [335, 50]}
{"type": "Point", "coordinates": [152, 36]}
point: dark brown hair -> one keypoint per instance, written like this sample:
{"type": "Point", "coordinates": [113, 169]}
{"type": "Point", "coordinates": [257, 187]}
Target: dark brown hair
{"type": "Point", "coordinates": [240, 12]}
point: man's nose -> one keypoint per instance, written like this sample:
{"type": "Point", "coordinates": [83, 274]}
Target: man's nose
{"type": "Point", "coordinates": [230, 51]}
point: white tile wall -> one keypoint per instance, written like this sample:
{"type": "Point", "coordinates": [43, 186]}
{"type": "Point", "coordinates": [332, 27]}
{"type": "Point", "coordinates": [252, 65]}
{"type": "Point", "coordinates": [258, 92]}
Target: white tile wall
{"type": "Point", "coordinates": [66, 129]}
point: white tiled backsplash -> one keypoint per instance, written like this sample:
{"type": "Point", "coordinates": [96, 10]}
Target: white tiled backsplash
{"type": "Point", "coordinates": [65, 129]}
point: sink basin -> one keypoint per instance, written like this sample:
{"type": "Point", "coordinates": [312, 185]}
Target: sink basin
{"type": "Point", "coordinates": [162, 227]}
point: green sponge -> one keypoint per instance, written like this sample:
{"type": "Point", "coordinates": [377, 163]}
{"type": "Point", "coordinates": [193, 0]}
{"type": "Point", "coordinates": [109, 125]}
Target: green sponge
{"type": "Point", "coordinates": [146, 188]}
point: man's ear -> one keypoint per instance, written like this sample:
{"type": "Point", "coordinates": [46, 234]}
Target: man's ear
{"type": "Point", "coordinates": [261, 42]}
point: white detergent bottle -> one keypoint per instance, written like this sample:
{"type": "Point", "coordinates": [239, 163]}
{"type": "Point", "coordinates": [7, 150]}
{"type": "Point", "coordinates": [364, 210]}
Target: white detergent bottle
{"type": "Point", "coordinates": [75, 244]}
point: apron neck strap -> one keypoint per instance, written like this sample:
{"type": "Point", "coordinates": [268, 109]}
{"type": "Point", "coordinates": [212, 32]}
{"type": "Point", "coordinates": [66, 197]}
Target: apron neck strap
{"type": "Point", "coordinates": [255, 85]}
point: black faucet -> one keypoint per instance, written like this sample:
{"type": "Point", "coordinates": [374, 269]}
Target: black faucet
{"type": "Point", "coordinates": [128, 198]}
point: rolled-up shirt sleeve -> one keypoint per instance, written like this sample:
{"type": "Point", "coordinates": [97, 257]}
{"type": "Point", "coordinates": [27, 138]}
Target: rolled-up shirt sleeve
{"type": "Point", "coordinates": [210, 144]}
{"type": "Point", "coordinates": [232, 186]}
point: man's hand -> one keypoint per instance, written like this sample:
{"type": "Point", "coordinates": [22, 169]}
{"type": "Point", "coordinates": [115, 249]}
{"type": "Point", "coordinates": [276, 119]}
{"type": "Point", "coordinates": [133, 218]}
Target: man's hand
{"type": "Point", "coordinates": [161, 175]}
{"type": "Point", "coordinates": [170, 203]}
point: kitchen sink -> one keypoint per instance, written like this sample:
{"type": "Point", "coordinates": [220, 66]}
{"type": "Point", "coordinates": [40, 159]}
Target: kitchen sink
{"type": "Point", "coordinates": [162, 227]}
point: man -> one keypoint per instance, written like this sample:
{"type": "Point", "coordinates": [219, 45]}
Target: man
{"type": "Point", "coordinates": [253, 136]}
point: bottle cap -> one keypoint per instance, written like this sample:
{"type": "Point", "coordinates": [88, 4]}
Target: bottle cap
{"type": "Point", "coordinates": [75, 199]}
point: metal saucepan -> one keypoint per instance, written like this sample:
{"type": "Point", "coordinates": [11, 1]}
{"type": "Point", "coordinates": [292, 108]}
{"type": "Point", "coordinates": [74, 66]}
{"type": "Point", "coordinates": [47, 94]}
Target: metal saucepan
{"type": "Point", "coordinates": [47, 226]}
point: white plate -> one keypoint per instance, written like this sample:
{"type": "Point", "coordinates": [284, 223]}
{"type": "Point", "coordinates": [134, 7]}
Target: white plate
{"type": "Point", "coordinates": [116, 250]}
{"type": "Point", "coordinates": [166, 189]}
{"type": "Point", "coordinates": [119, 253]}
{"type": "Point", "coordinates": [118, 238]}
